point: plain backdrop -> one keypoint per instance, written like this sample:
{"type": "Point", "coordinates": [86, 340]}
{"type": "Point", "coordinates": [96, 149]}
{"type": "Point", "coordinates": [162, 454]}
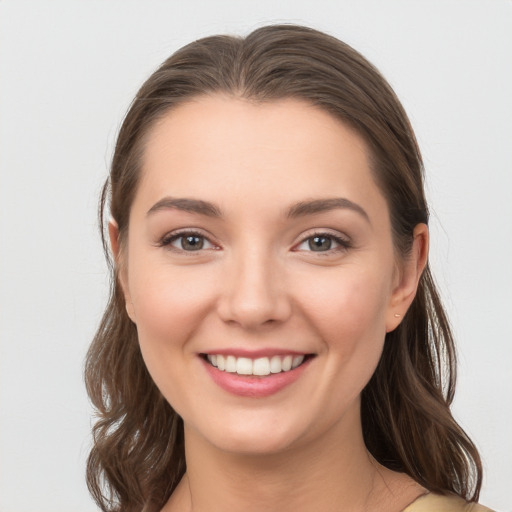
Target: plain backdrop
{"type": "Point", "coordinates": [68, 71]}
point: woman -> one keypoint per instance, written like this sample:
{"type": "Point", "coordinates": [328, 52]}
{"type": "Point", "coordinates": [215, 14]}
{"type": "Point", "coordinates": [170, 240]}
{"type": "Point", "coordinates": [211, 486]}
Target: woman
{"type": "Point", "coordinates": [274, 339]}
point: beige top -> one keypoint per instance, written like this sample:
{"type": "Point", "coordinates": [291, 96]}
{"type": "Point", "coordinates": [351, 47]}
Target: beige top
{"type": "Point", "coordinates": [437, 503]}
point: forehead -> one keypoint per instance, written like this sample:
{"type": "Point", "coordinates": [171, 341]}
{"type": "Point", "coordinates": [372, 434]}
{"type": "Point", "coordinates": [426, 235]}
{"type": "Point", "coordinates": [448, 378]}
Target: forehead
{"type": "Point", "coordinates": [215, 147]}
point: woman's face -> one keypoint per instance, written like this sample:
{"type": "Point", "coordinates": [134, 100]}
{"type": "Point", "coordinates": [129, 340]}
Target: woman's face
{"type": "Point", "coordinates": [258, 240]}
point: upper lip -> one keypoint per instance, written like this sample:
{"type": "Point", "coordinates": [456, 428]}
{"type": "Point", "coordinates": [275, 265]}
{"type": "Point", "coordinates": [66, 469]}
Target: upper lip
{"type": "Point", "coordinates": [255, 354]}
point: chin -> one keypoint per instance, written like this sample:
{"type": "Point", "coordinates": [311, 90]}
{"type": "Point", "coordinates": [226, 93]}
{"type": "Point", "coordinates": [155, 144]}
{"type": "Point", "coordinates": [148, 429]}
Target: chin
{"type": "Point", "coordinates": [252, 437]}
{"type": "Point", "coordinates": [255, 445]}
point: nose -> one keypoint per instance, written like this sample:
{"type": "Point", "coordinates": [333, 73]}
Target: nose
{"type": "Point", "coordinates": [253, 292]}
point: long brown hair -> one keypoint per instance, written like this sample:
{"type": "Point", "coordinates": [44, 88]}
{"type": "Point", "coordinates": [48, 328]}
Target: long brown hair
{"type": "Point", "coordinates": [137, 457]}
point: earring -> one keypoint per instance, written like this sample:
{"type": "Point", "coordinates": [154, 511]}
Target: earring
{"type": "Point", "coordinates": [397, 315]}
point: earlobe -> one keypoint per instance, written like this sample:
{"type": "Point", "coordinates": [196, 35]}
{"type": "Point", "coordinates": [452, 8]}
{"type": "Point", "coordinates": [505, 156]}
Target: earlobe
{"type": "Point", "coordinates": [410, 275]}
{"type": "Point", "coordinates": [113, 232]}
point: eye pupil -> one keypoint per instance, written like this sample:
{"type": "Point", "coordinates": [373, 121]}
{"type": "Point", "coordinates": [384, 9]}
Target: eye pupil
{"type": "Point", "coordinates": [320, 243]}
{"type": "Point", "coordinates": [192, 243]}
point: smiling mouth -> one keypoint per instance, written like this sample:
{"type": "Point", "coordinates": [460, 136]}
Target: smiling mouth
{"type": "Point", "coordinates": [260, 366]}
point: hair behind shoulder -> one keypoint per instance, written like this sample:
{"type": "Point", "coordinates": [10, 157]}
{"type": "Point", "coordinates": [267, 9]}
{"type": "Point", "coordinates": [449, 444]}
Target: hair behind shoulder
{"type": "Point", "coordinates": [137, 457]}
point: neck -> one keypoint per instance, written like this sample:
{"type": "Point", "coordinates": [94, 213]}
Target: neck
{"type": "Point", "coordinates": [333, 473]}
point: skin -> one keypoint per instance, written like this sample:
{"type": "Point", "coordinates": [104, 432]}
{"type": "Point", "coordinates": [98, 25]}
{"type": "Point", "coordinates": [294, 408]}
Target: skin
{"type": "Point", "coordinates": [257, 284]}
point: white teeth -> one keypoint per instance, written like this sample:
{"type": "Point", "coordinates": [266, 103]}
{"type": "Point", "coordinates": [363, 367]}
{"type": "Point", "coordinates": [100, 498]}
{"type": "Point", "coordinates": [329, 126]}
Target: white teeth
{"type": "Point", "coordinates": [275, 365]}
{"type": "Point", "coordinates": [297, 360]}
{"type": "Point", "coordinates": [287, 363]}
{"type": "Point", "coordinates": [231, 364]}
{"type": "Point", "coordinates": [261, 366]}
{"type": "Point", "coordinates": [243, 366]}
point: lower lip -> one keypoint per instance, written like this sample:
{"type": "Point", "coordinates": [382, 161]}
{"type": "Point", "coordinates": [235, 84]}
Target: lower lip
{"type": "Point", "coordinates": [254, 386]}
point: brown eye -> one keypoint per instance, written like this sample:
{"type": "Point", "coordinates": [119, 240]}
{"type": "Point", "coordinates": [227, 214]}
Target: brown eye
{"type": "Point", "coordinates": [187, 241]}
{"type": "Point", "coordinates": [191, 242]}
{"type": "Point", "coordinates": [324, 243]}
{"type": "Point", "coordinates": [320, 243]}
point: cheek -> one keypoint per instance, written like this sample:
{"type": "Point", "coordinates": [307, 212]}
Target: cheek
{"type": "Point", "coordinates": [169, 303]}
{"type": "Point", "coordinates": [348, 310]}
{"type": "Point", "coordinates": [350, 299]}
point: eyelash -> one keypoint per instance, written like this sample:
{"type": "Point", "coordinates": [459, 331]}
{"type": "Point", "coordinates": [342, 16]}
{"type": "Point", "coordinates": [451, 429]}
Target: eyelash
{"type": "Point", "coordinates": [343, 243]}
{"type": "Point", "coordinates": [169, 238]}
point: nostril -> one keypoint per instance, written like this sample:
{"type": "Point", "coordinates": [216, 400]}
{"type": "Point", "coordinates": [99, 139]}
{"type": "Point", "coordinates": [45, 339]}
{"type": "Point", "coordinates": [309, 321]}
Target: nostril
{"type": "Point", "coordinates": [251, 294]}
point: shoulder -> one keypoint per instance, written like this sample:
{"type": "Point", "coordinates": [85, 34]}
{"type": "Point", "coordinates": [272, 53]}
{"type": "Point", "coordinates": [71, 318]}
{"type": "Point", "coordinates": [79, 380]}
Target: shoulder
{"type": "Point", "coordinates": [437, 503]}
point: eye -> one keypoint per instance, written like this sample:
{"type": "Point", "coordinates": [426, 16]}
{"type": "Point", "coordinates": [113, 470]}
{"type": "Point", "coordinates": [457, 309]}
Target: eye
{"type": "Point", "coordinates": [188, 241]}
{"type": "Point", "coordinates": [320, 243]}
{"type": "Point", "coordinates": [323, 242]}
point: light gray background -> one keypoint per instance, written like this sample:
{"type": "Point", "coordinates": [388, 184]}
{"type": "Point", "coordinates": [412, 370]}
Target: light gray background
{"type": "Point", "coordinates": [68, 70]}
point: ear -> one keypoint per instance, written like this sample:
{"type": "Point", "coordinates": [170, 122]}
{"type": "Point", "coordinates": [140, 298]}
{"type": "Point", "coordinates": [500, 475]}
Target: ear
{"type": "Point", "coordinates": [113, 233]}
{"type": "Point", "coordinates": [408, 277]}
{"type": "Point", "coordinates": [121, 273]}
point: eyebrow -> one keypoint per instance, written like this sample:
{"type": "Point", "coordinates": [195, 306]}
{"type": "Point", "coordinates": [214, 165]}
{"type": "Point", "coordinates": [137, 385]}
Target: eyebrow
{"type": "Point", "coordinates": [187, 205]}
{"type": "Point", "coordinates": [299, 209]}
{"type": "Point", "coordinates": [324, 205]}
